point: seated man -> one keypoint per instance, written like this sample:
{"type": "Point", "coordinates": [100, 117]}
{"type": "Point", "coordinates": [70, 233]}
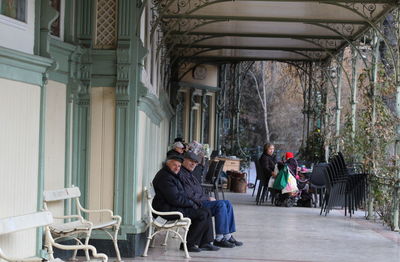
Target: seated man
{"type": "Point", "coordinates": [177, 149]}
{"type": "Point", "coordinates": [222, 210]}
{"type": "Point", "coordinates": [170, 196]}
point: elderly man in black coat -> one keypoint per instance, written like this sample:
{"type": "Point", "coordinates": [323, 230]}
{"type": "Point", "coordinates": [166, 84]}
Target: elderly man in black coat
{"type": "Point", "coordinates": [171, 196]}
{"type": "Point", "coordinates": [222, 210]}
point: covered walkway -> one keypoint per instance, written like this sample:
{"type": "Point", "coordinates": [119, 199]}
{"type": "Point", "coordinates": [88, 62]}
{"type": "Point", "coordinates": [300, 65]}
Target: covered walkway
{"type": "Point", "coordinates": [277, 234]}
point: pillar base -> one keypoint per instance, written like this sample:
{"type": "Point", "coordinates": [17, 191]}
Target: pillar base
{"type": "Point", "coordinates": [131, 247]}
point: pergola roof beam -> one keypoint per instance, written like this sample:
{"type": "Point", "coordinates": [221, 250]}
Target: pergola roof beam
{"type": "Point", "coordinates": [254, 47]}
{"type": "Point", "coordinates": [265, 19]}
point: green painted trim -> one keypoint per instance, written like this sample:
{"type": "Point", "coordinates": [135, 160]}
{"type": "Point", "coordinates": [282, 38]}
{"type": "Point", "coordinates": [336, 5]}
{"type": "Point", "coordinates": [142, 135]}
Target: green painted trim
{"type": "Point", "coordinates": [150, 105]}
{"type": "Point", "coordinates": [137, 228]}
{"type": "Point", "coordinates": [104, 81]}
{"type": "Point", "coordinates": [166, 106]}
{"type": "Point", "coordinates": [22, 67]}
{"type": "Point", "coordinates": [60, 77]}
{"type": "Point", "coordinates": [98, 234]}
{"type": "Point", "coordinates": [260, 35]}
{"type": "Point", "coordinates": [69, 21]}
{"type": "Point", "coordinates": [263, 19]}
{"type": "Point", "coordinates": [82, 148]}
{"type": "Point", "coordinates": [62, 47]}
{"type": "Point", "coordinates": [121, 152]}
{"type": "Point", "coordinates": [198, 86]}
{"type": "Point", "coordinates": [41, 174]}
{"type": "Point", "coordinates": [124, 19]}
{"type": "Point", "coordinates": [84, 21]}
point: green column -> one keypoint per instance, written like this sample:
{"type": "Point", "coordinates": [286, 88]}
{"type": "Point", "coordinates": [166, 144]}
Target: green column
{"type": "Point", "coordinates": [130, 53]}
{"type": "Point", "coordinates": [81, 128]}
{"type": "Point", "coordinates": [353, 94]}
{"type": "Point", "coordinates": [375, 59]}
{"type": "Point", "coordinates": [125, 116]}
{"type": "Point", "coordinates": [44, 16]}
{"type": "Point", "coordinates": [338, 98]}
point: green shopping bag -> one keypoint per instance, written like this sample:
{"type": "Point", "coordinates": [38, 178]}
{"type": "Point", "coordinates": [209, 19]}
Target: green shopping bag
{"type": "Point", "coordinates": [282, 178]}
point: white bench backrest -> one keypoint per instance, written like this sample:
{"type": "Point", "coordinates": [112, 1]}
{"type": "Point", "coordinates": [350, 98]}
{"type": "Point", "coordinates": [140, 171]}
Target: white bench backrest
{"type": "Point", "coordinates": [61, 194]}
{"type": "Point", "coordinates": [149, 194]}
{"type": "Point", "coordinates": [23, 222]}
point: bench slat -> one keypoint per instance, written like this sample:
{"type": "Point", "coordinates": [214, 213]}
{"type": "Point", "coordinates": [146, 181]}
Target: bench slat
{"type": "Point", "coordinates": [61, 194]}
{"type": "Point", "coordinates": [23, 222]}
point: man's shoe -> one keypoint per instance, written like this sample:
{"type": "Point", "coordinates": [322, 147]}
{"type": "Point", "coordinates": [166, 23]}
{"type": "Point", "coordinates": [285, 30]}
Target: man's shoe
{"type": "Point", "coordinates": [223, 243]}
{"type": "Point", "coordinates": [209, 247]}
{"type": "Point", "coordinates": [190, 248]}
{"type": "Point", "coordinates": [234, 241]}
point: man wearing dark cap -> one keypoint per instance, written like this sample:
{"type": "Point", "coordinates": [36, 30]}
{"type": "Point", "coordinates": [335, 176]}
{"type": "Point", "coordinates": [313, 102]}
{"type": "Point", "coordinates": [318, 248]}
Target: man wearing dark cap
{"type": "Point", "coordinates": [222, 210]}
{"type": "Point", "coordinates": [177, 149]}
{"type": "Point", "coordinates": [170, 196]}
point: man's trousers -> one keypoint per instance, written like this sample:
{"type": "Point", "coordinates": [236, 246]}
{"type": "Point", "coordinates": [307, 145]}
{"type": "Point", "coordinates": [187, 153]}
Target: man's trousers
{"type": "Point", "coordinates": [201, 229]}
{"type": "Point", "coordinates": [222, 210]}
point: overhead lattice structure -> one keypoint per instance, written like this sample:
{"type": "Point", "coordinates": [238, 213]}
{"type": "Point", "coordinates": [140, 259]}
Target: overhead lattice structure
{"type": "Point", "coordinates": [220, 30]}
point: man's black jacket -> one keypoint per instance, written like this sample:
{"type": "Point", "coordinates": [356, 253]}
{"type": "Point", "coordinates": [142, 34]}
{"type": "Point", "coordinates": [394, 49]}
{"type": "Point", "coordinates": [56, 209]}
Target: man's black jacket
{"type": "Point", "coordinates": [192, 186]}
{"type": "Point", "coordinates": [170, 194]}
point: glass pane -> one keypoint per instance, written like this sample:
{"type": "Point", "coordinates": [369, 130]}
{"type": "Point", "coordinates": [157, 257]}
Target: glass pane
{"type": "Point", "coordinates": [14, 8]}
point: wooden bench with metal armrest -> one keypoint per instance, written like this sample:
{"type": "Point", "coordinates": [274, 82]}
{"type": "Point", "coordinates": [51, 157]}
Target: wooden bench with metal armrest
{"type": "Point", "coordinates": [79, 227]}
{"type": "Point", "coordinates": [14, 224]}
{"type": "Point", "coordinates": [162, 225]}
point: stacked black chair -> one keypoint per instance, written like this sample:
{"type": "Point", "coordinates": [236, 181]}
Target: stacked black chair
{"type": "Point", "coordinates": [345, 187]}
{"type": "Point", "coordinates": [258, 175]}
{"type": "Point", "coordinates": [262, 192]}
{"type": "Point", "coordinates": [212, 180]}
{"type": "Point", "coordinates": [318, 182]}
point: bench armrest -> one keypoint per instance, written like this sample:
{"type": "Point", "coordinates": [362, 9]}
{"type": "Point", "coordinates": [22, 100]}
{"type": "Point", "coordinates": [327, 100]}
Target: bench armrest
{"type": "Point", "coordinates": [171, 213]}
{"type": "Point", "coordinates": [102, 256]}
{"type": "Point", "coordinates": [109, 211]}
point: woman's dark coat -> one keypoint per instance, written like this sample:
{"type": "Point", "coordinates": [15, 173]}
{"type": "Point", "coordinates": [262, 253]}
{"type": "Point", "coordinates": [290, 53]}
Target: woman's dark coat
{"type": "Point", "coordinates": [267, 164]}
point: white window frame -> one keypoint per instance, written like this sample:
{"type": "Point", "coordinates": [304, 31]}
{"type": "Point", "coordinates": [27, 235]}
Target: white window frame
{"type": "Point", "coordinates": [15, 22]}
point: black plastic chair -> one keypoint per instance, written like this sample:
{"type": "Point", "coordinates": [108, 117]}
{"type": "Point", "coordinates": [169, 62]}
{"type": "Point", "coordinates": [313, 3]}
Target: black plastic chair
{"type": "Point", "coordinates": [258, 175]}
{"type": "Point", "coordinates": [262, 191]}
{"type": "Point", "coordinates": [318, 182]}
{"type": "Point", "coordinates": [213, 179]}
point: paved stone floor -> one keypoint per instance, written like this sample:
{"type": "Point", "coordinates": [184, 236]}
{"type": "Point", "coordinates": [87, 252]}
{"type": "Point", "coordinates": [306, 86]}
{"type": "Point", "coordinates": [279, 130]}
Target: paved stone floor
{"type": "Point", "coordinates": [279, 234]}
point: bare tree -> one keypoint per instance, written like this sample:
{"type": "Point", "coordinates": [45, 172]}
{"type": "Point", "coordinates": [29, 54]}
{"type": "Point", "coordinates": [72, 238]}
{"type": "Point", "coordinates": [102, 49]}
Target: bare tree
{"type": "Point", "coordinates": [262, 97]}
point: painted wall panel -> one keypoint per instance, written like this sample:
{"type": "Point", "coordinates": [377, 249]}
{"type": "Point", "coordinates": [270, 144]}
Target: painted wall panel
{"type": "Point", "coordinates": [55, 140]}
{"type": "Point", "coordinates": [153, 145]}
{"type": "Point", "coordinates": [19, 151]}
{"type": "Point", "coordinates": [102, 144]}
{"type": "Point", "coordinates": [141, 163]}
{"type": "Point", "coordinates": [19, 35]}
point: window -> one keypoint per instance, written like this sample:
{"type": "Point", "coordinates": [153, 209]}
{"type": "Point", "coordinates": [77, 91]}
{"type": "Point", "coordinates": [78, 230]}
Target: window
{"type": "Point", "coordinates": [15, 9]}
{"type": "Point", "coordinates": [55, 26]}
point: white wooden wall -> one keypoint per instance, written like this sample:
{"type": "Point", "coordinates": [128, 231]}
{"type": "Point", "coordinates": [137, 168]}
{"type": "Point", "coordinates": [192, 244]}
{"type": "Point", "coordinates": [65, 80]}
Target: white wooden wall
{"type": "Point", "coordinates": [152, 149]}
{"type": "Point", "coordinates": [19, 140]}
{"type": "Point", "coordinates": [55, 140]}
{"type": "Point", "coordinates": [102, 144]}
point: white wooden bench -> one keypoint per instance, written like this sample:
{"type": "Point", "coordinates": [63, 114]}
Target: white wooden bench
{"type": "Point", "coordinates": [14, 224]}
{"type": "Point", "coordinates": [161, 225]}
{"type": "Point", "coordinates": [78, 226]}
